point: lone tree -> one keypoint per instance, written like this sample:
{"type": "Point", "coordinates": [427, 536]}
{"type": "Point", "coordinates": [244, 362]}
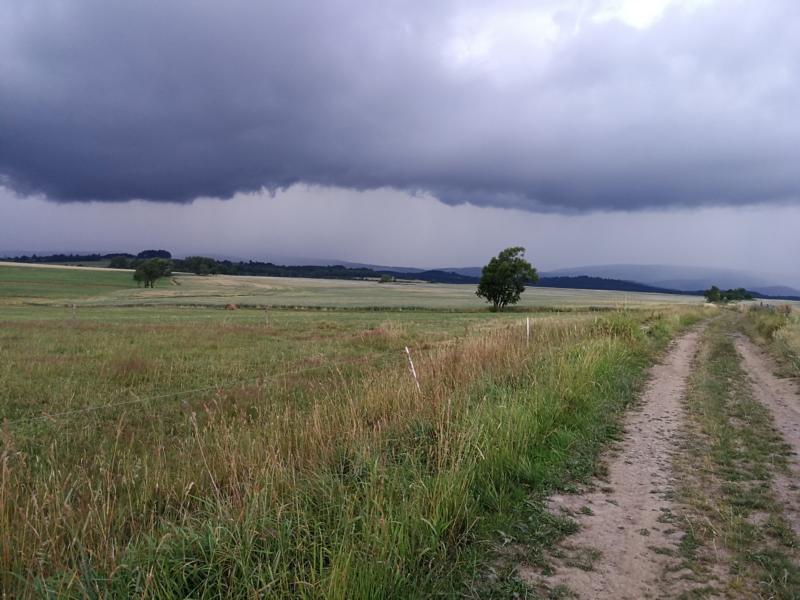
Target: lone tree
{"type": "Point", "coordinates": [713, 294]}
{"type": "Point", "coordinates": [148, 271]}
{"type": "Point", "coordinates": [504, 278]}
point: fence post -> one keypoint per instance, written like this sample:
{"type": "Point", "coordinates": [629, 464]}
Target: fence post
{"type": "Point", "coordinates": [527, 331]}
{"type": "Point", "coordinates": [413, 370]}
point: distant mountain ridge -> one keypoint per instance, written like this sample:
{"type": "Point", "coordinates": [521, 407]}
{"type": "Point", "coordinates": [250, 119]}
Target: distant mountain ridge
{"type": "Point", "coordinates": [665, 277]}
{"type": "Point", "coordinates": [684, 278]}
{"type": "Point", "coordinates": [584, 282]}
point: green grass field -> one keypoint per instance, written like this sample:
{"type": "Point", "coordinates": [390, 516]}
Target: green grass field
{"type": "Point", "coordinates": [154, 445]}
{"type": "Point", "coordinates": [34, 283]}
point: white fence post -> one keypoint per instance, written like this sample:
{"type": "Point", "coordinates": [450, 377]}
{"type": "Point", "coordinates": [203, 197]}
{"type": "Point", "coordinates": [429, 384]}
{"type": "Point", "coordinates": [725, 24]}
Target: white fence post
{"type": "Point", "coordinates": [527, 331]}
{"type": "Point", "coordinates": [413, 370]}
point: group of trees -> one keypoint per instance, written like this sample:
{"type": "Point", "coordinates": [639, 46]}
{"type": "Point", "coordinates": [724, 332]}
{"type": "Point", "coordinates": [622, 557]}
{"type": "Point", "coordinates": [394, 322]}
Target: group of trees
{"type": "Point", "coordinates": [203, 265]}
{"type": "Point", "coordinates": [714, 294]}
{"type": "Point", "coordinates": [117, 260]}
{"type": "Point", "coordinates": [150, 270]}
{"type": "Point", "coordinates": [68, 258]}
{"type": "Point", "coordinates": [129, 261]}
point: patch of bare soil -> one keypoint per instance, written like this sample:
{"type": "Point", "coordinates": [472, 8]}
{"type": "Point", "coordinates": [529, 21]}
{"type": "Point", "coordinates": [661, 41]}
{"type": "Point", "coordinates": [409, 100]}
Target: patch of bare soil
{"type": "Point", "coordinates": [781, 397]}
{"type": "Point", "coordinates": [625, 547]}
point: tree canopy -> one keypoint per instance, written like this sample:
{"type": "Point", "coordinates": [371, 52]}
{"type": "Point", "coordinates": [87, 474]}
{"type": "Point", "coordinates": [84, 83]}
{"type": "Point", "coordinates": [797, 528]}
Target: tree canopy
{"type": "Point", "coordinates": [503, 279]}
{"type": "Point", "coordinates": [154, 254]}
{"type": "Point", "coordinates": [150, 270]}
{"type": "Point", "coordinates": [714, 294]}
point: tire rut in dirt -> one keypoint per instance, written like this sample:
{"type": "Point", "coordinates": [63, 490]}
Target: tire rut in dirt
{"type": "Point", "coordinates": [781, 398]}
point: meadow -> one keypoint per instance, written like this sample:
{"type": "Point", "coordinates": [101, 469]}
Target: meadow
{"type": "Point", "coordinates": [155, 445]}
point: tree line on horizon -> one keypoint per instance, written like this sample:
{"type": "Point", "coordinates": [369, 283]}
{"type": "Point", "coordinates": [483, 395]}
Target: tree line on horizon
{"type": "Point", "coordinates": [204, 265]}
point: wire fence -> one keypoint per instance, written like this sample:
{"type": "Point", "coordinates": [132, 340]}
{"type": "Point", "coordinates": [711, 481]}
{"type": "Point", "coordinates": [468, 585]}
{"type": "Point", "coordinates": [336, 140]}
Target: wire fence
{"type": "Point", "coordinates": [400, 357]}
{"type": "Point", "coordinates": [182, 394]}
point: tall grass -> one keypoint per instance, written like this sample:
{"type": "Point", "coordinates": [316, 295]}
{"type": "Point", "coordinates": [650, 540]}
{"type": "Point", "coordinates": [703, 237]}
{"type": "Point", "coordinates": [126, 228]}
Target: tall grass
{"type": "Point", "coordinates": [361, 488]}
{"type": "Point", "coordinates": [779, 327]}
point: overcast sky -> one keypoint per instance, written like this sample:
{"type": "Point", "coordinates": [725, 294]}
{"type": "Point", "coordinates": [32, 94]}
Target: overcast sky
{"type": "Point", "coordinates": [412, 133]}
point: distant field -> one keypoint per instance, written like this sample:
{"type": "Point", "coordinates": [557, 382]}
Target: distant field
{"type": "Point", "coordinates": [36, 283]}
{"type": "Point", "coordinates": [110, 288]}
{"type": "Point", "coordinates": [95, 265]}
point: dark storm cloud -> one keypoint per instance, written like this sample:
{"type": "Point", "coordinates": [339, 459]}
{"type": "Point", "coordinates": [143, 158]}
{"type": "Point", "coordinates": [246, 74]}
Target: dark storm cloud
{"type": "Point", "coordinates": [174, 100]}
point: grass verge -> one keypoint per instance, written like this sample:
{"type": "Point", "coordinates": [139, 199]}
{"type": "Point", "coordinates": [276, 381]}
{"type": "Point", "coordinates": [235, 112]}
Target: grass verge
{"type": "Point", "coordinates": [778, 328]}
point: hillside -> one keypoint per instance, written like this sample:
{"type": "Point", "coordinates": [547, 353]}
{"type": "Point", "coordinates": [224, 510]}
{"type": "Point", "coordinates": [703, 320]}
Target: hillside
{"type": "Point", "coordinates": [584, 282]}
{"type": "Point", "coordinates": [686, 279]}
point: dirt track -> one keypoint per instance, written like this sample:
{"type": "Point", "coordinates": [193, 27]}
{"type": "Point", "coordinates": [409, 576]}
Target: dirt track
{"type": "Point", "coordinates": [628, 544]}
{"type": "Point", "coordinates": [623, 536]}
{"type": "Point", "coordinates": [780, 396]}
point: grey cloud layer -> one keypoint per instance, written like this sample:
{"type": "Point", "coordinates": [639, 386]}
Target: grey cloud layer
{"type": "Point", "coordinates": [175, 100]}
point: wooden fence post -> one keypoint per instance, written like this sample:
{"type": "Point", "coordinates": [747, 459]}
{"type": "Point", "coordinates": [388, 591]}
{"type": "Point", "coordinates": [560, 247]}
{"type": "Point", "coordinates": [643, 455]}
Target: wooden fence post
{"type": "Point", "coordinates": [413, 370]}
